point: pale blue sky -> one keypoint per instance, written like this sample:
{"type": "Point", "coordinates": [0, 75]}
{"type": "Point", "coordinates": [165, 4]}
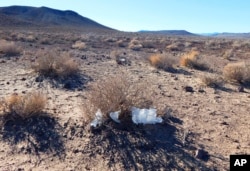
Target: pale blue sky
{"type": "Point", "coordinates": [197, 16]}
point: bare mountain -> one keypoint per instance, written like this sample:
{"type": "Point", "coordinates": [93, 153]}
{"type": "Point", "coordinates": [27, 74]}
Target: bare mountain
{"type": "Point", "coordinates": [20, 16]}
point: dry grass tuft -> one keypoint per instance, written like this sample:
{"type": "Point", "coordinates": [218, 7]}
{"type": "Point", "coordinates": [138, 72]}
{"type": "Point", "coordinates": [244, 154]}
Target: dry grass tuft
{"type": "Point", "coordinates": [162, 61]}
{"type": "Point", "coordinates": [188, 59]}
{"type": "Point", "coordinates": [26, 106]}
{"type": "Point", "coordinates": [192, 60]}
{"type": "Point", "coordinates": [9, 48]}
{"type": "Point", "coordinates": [237, 72]}
{"type": "Point", "coordinates": [79, 45]}
{"type": "Point", "coordinates": [55, 65]}
{"type": "Point", "coordinates": [116, 93]}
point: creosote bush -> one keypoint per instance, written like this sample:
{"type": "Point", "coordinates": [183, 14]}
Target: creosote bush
{"type": "Point", "coordinates": [9, 48]}
{"type": "Point", "coordinates": [192, 60]}
{"type": "Point", "coordinates": [237, 72]}
{"type": "Point", "coordinates": [162, 61]}
{"type": "Point", "coordinates": [55, 65]}
{"type": "Point", "coordinates": [116, 93]}
{"type": "Point", "coordinates": [24, 106]}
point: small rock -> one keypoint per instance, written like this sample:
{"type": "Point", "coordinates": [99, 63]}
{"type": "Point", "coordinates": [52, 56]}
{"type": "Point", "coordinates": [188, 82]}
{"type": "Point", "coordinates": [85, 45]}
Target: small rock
{"type": "Point", "coordinates": [188, 89]}
{"type": "Point", "coordinates": [23, 79]}
{"type": "Point", "coordinates": [201, 91]}
{"type": "Point", "coordinates": [76, 151]}
{"type": "Point", "coordinates": [224, 123]}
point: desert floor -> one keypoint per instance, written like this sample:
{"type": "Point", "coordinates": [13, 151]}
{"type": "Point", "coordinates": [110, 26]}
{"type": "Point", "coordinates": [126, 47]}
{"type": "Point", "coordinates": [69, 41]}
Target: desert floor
{"type": "Point", "coordinates": [211, 120]}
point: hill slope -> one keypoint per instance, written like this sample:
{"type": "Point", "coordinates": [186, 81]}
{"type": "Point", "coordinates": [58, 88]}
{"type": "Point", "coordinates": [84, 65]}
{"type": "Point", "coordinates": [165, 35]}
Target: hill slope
{"type": "Point", "coordinates": [44, 17]}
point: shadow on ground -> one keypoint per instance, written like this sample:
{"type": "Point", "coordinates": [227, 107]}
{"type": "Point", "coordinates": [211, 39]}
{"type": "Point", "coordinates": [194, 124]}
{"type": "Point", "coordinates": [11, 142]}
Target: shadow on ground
{"type": "Point", "coordinates": [34, 135]}
{"type": "Point", "coordinates": [73, 82]}
{"type": "Point", "coordinates": [177, 71]}
{"type": "Point", "coordinates": [143, 147]}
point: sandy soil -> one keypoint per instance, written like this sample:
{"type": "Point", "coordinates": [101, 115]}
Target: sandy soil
{"type": "Point", "coordinates": [212, 120]}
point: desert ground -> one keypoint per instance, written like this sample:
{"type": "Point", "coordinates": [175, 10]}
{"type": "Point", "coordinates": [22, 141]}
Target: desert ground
{"type": "Point", "coordinates": [204, 121]}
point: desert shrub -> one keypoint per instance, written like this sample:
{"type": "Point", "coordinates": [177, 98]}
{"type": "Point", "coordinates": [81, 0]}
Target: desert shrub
{"type": "Point", "coordinates": [192, 60]}
{"type": "Point", "coordinates": [228, 54]}
{"type": "Point", "coordinates": [24, 106]}
{"type": "Point", "coordinates": [79, 45]}
{"type": "Point", "coordinates": [175, 47]}
{"type": "Point", "coordinates": [135, 45]}
{"type": "Point", "coordinates": [9, 48]}
{"type": "Point", "coordinates": [54, 64]}
{"type": "Point", "coordinates": [110, 40]}
{"type": "Point", "coordinates": [237, 72]}
{"type": "Point", "coordinates": [213, 44]}
{"type": "Point", "coordinates": [30, 38]}
{"type": "Point", "coordinates": [148, 44]}
{"type": "Point", "coordinates": [162, 61]}
{"type": "Point", "coordinates": [116, 93]}
{"type": "Point", "coordinates": [121, 43]}
{"type": "Point", "coordinates": [45, 41]}
{"type": "Point", "coordinates": [211, 81]}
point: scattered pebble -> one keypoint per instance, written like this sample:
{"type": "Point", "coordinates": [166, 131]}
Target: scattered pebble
{"type": "Point", "coordinates": [188, 89]}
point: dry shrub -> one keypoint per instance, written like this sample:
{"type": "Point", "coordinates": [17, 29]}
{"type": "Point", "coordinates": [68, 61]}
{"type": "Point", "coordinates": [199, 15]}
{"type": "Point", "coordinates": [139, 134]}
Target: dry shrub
{"type": "Point", "coordinates": [186, 59]}
{"type": "Point", "coordinates": [54, 64]}
{"type": "Point", "coordinates": [228, 54]}
{"type": "Point", "coordinates": [162, 61]}
{"type": "Point", "coordinates": [121, 43]}
{"type": "Point", "coordinates": [45, 41]}
{"type": "Point", "coordinates": [135, 45]}
{"type": "Point", "coordinates": [110, 40]}
{"type": "Point", "coordinates": [175, 47]}
{"type": "Point", "coordinates": [237, 72]}
{"type": "Point", "coordinates": [192, 60]}
{"type": "Point", "coordinates": [9, 48]}
{"type": "Point", "coordinates": [79, 45]}
{"type": "Point", "coordinates": [148, 44]}
{"type": "Point", "coordinates": [116, 93]}
{"type": "Point", "coordinates": [30, 38]}
{"type": "Point", "coordinates": [211, 81]}
{"type": "Point", "coordinates": [24, 106]}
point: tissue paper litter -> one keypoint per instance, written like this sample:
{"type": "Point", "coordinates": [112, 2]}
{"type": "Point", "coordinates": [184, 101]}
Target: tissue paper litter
{"type": "Point", "coordinates": [145, 116]}
{"type": "Point", "coordinates": [98, 119]}
{"type": "Point", "coordinates": [115, 116]}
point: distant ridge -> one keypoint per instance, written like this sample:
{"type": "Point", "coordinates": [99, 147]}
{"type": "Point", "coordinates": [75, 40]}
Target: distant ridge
{"type": "Point", "coordinates": [169, 32]}
{"type": "Point", "coordinates": [23, 16]}
{"type": "Point", "coordinates": [227, 35]}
